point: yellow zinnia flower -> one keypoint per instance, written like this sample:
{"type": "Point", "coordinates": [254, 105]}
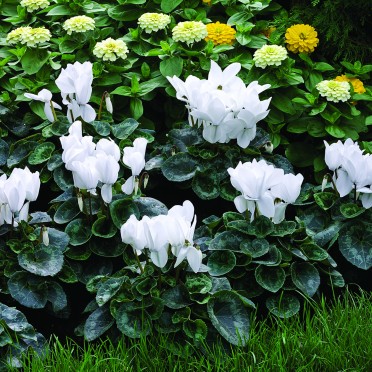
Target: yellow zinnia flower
{"type": "Point", "coordinates": [220, 33]}
{"type": "Point", "coordinates": [208, 2]}
{"type": "Point", "coordinates": [356, 83]}
{"type": "Point", "coordinates": [301, 38]}
{"type": "Point", "coordinates": [268, 31]}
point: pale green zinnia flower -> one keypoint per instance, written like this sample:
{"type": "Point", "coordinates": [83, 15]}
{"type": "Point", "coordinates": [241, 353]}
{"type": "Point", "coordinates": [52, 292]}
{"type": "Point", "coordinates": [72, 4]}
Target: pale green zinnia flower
{"type": "Point", "coordinates": [16, 36]}
{"type": "Point", "coordinates": [36, 36]}
{"type": "Point", "coordinates": [111, 49]}
{"type": "Point", "coordinates": [152, 22]}
{"type": "Point", "coordinates": [189, 32]}
{"type": "Point", "coordinates": [269, 55]}
{"type": "Point", "coordinates": [29, 36]}
{"type": "Point", "coordinates": [334, 91]}
{"type": "Point", "coordinates": [32, 5]}
{"type": "Point", "coordinates": [79, 24]}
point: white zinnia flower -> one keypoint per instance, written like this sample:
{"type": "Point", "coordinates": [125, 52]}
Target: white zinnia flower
{"type": "Point", "coordinates": [189, 32]}
{"type": "Point", "coordinates": [270, 55]}
{"type": "Point", "coordinates": [32, 5]}
{"type": "Point", "coordinates": [152, 22]}
{"type": "Point", "coordinates": [334, 91]}
{"type": "Point", "coordinates": [79, 24]}
{"type": "Point", "coordinates": [111, 49]}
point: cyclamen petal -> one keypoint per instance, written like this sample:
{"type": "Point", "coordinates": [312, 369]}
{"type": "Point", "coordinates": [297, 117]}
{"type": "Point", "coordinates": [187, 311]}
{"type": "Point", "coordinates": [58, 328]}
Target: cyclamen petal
{"type": "Point", "coordinates": [194, 258]}
{"type": "Point", "coordinates": [159, 258]}
{"type": "Point", "coordinates": [128, 186]}
{"type": "Point", "coordinates": [106, 193]}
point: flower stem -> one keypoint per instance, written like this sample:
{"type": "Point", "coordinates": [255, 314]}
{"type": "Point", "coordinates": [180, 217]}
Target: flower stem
{"type": "Point", "coordinates": [53, 111]}
{"type": "Point", "coordinates": [90, 205]}
{"type": "Point", "coordinates": [138, 262]}
{"type": "Point", "coordinates": [101, 106]}
{"type": "Point", "coordinates": [12, 226]}
{"type": "Point", "coordinates": [178, 270]}
{"type": "Point", "coordinates": [159, 278]}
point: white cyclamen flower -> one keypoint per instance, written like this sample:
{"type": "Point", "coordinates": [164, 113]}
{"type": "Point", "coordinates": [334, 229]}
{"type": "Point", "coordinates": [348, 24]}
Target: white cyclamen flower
{"type": "Point", "coordinates": [109, 147]}
{"type": "Point", "coordinates": [108, 170]}
{"type": "Point", "coordinates": [181, 223]}
{"type": "Point", "coordinates": [134, 158]}
{"type": "Point", "coordinates": [222, 104]}
{"type": "Point", "coordinates": [155, 229]}
{"type": "Point", "coordinates": [85, 174]}
{"type": "Point", "coordinates": [265, 190]}
{"type": "Point", "coordinates": [133, 233]}
{"type": "Point", "coordinates": [45, 96]}
{"type": "Point", "coordinates": [75, 83]}
{"type": "Point", "coordinates": [352, 169]}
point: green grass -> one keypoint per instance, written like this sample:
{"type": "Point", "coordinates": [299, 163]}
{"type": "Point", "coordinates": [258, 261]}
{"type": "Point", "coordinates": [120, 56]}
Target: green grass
{"type": "Point", "coordinates": [323, 337]}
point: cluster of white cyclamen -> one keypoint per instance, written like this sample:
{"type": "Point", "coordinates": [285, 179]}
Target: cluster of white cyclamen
{"type": "Point", "coordinates": [160, 234]}
{"type": "Point", "coordinates": [266, 190]}
{"type": "Point", "coordinates": [75, 84]}
{"type": "Point", "coordinates": [352, 169]}
{"type": "Point", "coordinates": [91, 163]}
{"type": "Point", "coordinates": [16, 193]}
{"type": "Point", "coordinates": [223, 105]}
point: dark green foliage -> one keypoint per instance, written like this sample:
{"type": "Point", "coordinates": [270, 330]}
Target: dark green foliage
{"type": "Point", "coordinates": [343, 26]}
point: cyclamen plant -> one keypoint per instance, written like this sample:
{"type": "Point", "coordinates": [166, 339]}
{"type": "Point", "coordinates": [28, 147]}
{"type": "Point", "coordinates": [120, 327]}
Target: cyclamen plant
{"type": "Point", "coordinates": [222, 104]}
{"type": "Point", "coordinates": [145, 267]}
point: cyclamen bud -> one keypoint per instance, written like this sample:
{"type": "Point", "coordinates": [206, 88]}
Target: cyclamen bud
{"type": "Point", "coordinates": [80, 201]}
{"type": "Point", "coordinates": [324, 182]}
{"type": "Point", "coordinates": [108, 102]}
{"type": "Point", "coordinates": [136, 184]}
{"type": "Point", "coordinates": [145, 179]}
{"type": "Point", "coordinates": [268, 147]}
{"type": "Point", "coordinates": [45, 235]}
